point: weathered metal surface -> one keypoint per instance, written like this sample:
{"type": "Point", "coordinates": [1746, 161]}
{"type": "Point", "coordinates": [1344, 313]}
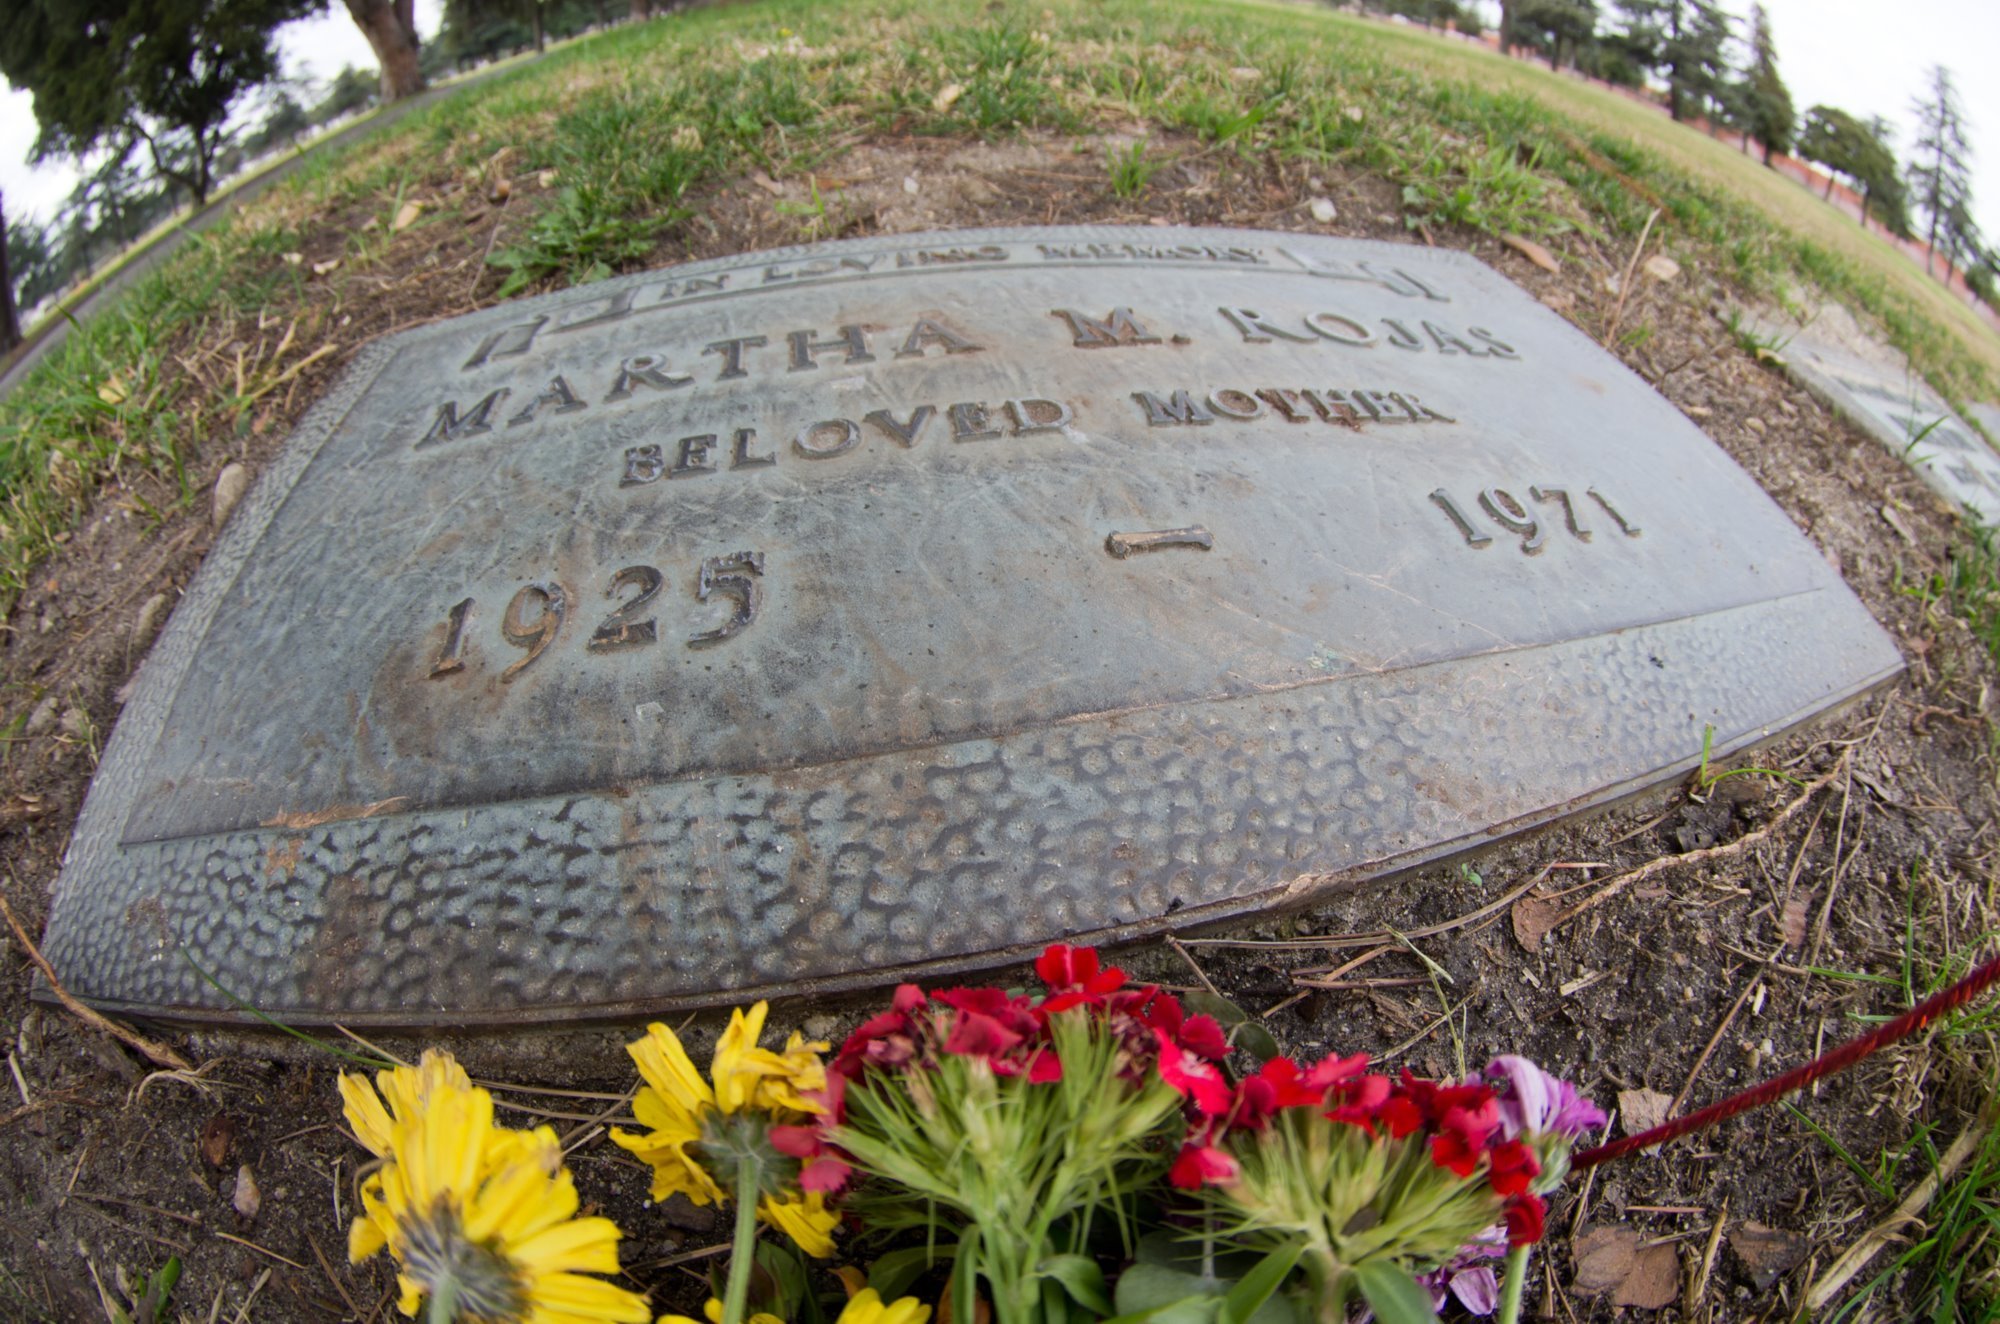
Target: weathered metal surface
{"type": "Point", "coordinates": [816, 617]}
{"type": "Point", "coordinates": [1880, 394]}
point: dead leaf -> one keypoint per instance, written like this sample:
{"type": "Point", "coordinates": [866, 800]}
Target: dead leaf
{"type": "Point", "coordinates": [216, 1137]}
{"type": "Point", "coordinates": [768, 184]}
{"type": "Point", "coordinates": [1661, 267]}
{"type": "Point", "coordinates": [1616, 1260]}
{"type": "Point", "coordinates": [947, 96]}
{"type": "Point", "coordinates": [294, 259]}
{"type": "Point", "coordinates": [546, 179]}
{"type": "Point", "coordinates": [1793, 922]}
{"type": "Point", "coordinates": [321, 268]}
{"type": "Point", "coordinates": [1767, 1253]}
{"type": "Point", "coordinates": [406, 216]}
{"type": "Point", "coordinates": [1895, 521]}
{"type": "Point", "coordinates": [113, 391]}
{"type": "Point", "coordinates": [1532, 251]}
{"type": "Point", "coordinates": [1642, 1109]}
{"type": "Point", "coordinates": [1533, 918]}
{"type": "Point", "coordinates": [247, 1199]}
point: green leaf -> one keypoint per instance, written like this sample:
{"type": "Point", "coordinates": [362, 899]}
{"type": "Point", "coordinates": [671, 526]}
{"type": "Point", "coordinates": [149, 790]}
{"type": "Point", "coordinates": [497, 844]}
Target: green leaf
{"type": "Point", "coordinates": [1148, 1287]}
{"type": "Point", "coordinates": [1256, 1040]}
{"type": "Point", "coordinates": [1204, 1003]}
{"type": "Point", "coordinates": [1255, 1288]}
{"type": "Point", "coordinates": [1392, 1294]}
{"type": "Point", "coordinates": [894, 1274]}
{"type": "Point", "coordinates": [1082, 1279]}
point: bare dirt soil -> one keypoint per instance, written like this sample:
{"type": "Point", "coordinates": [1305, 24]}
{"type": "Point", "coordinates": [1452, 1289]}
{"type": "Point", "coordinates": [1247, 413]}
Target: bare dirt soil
{"type": "Point", "coordinates": [1678, 985]}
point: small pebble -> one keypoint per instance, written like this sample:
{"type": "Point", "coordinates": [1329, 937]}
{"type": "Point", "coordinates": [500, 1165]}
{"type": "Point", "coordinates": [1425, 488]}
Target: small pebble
{"type": "Point", "coordinates": [1323, 211]}
{"type": "Point", "coordinates": [151, 613]}
{"type": "Point", "coordinates": [230, 485]}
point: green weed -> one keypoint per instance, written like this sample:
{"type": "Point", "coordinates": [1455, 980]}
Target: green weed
{"type": "Point", "coordinates": [1131, 170]}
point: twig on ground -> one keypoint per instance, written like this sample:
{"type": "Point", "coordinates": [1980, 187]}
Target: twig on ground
{"type": "Point", "coordinates": [1199, 973]}
{"type": "Point", "coordinates": [159, 1054]}
{"type": "Point", "coordinates": [1706, 853]}
{"type": "Point", "coordinates": [243, 1311]}
{"type": "Point", "coordinates": [241, 1241]}
{"type": "Point", "coordinates": [1839, 867]}
{"type": "Point", "coordinates": [189, 1219]}
{"type": "Point", "coordinates": [1699, 1283]}
{"type": "Point", "coordinates": [1674, 1108]}
{"type": "Point", "coordinates": [331, 1277]}
{"type": "Point", "coordinates": [1336, 971]}
{"type": "Point", "coordinates": [1856, 1257]}
{"type": "Point", "coordinates": [1342, 941]}
{"type": "Point", "coordinates": [1426, 1032]}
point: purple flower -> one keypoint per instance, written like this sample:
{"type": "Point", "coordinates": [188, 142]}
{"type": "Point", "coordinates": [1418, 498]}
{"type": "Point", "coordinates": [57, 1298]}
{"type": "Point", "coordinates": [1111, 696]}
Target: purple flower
{"type": "Point", "coordinates": [1534, 1103]}
{"type": "Point", "coordinates": [1469, 1276]}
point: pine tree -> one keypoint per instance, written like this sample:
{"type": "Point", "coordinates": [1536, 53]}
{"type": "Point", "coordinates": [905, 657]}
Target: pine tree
{"type": "Point", "coordinates": [10, 321]}
{"type": "Point", "coordinates": [1767, 103]}
{"type": "Point", "coordinates": [1940, 169]}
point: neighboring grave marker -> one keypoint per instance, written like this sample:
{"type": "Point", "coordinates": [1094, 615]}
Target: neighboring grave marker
{"type": "Point", "coordinates": [1878, 393]}
{"type": "Point", "coordinates": [808, 618]}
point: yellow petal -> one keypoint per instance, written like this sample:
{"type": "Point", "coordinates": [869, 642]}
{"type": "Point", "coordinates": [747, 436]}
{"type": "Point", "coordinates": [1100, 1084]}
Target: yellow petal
{"type": "Point", "coordinates": [586, 1245]}
{"type": "Point", "coordinates": [564, 1296]}
{"type": "Point", "coordinates": [365, 1114]}
{"type": "Point", "coordinates": [411, 1296]}
{"type": "Point", "coordinates": [806, 1221]}
{"type": "Point", "coordinates": [735, 1075]}
{"type": "Point", "coordinates": [665, 1065]}
{"type": "Point", "coordinates": [864, 1308]}
{"type": "Point", "coordinates": [364, 1237]}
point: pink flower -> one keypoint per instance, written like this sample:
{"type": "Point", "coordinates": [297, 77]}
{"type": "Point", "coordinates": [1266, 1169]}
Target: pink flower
{"type": "Point", "coordinates": [1201, 1165]}
{"type": "Point", "coordinates": [1193, 1077]}
{"type": "Point", "coordinates": [1075, 970]}
{"type": "Point", "coordinates": [1533, 1102]}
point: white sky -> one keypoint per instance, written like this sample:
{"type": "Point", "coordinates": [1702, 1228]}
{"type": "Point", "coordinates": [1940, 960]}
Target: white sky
{"type": "Point", "coordinates": [1868, 57]}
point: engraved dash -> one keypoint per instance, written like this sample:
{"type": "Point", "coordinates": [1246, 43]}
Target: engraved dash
{"type": "Point", "coordinates": [1122, 545]}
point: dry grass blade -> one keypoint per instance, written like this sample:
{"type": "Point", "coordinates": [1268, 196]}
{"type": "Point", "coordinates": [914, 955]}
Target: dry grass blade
{"type": "Point", "coordinates": [1625, 281]}
{"type": "Point", "coordinates": [1865, 1248]}
{"type": "Point", "coordinates": [158, 1054]}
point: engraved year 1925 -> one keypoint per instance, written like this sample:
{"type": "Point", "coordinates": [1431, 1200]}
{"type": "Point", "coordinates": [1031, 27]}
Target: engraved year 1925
{"type": "Point", "coordinates": [538, 612]}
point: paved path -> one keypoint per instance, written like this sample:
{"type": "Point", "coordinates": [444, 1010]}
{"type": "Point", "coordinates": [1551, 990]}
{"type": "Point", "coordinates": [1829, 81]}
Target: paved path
{"type": "Point", "coordinates": [53, 331]}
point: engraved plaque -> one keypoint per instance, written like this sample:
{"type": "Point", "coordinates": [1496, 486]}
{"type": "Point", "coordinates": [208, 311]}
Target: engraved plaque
{"type": "Point", "coordinates": [1899, 410]}
{"type": "Point", "coordinates": [820, 617]}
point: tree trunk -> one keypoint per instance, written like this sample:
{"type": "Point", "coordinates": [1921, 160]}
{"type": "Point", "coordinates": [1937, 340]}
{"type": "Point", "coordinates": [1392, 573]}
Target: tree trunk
{"type": "Point", "coordinates": [391, 28]}
{"type": "Point", "coordinates": [10, 321]}
{"type": "Point", "coordinates": [1829, 184]}
{"type": "Point", "coordinates": [541, 35]}
{"type": "Point", "coordinates": [641, 10]}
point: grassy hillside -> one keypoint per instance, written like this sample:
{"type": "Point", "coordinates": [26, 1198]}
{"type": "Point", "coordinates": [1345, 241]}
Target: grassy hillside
{"type": "Point", "coordinates": [619, 137]}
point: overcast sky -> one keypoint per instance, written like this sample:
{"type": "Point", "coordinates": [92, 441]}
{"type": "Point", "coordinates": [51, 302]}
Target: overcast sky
{"type": "Point", "coordinates": [1868, 57]}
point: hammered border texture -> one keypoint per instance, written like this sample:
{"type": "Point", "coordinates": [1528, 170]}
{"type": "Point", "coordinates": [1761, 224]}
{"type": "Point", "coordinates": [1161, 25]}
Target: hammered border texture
{"type": "Point", "coordinates": [628, 901]}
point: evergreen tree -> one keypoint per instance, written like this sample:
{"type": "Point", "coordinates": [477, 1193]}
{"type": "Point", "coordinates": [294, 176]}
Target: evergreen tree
{"type": "Point", "coordinates": [1767, 103]}
{"type": "Point", "coordinates": [1685, 42]}
{"type": "Point", "coordinates": [10, 321]}
{"type": "Point", "coordinates": [1559, 29]}
{"type": "Point", "coordinates": [114, 74]}
{"type": "Point", "coordinates": [1940, 169]}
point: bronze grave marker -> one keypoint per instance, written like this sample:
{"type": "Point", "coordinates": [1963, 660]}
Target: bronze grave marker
{"type": "Point", "coordinates": [814, 618]}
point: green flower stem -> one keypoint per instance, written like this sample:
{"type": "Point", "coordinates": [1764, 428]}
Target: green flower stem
{"type": "Point", "coordinates": [1510, 1290]}
{"type": "Point", "coordinates": [743, 1251]}
{"type": "Point", "coordinates": [444, 1302]}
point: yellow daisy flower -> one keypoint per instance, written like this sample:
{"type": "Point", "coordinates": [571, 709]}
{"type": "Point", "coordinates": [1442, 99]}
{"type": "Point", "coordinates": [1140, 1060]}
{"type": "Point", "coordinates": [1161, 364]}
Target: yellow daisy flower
{"type": "Point", "coordinates": [864, 1307]}
{"type": "Point", "coordinates": [699, 1132]}
{"type": "Point", "coordinates": [476, 1213]}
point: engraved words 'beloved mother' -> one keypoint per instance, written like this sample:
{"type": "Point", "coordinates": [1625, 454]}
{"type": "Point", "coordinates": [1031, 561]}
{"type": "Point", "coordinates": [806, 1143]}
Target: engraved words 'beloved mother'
{"type": "Point", "coordinates": [818, 617]}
